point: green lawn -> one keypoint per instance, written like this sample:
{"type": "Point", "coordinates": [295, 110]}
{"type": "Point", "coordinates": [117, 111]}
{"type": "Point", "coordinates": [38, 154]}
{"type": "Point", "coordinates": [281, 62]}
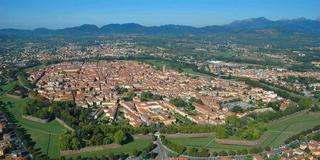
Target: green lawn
{"type": "Point", "coordinates": [278, 132]}
{"type": "Point", "coordinates": [282, 129]}
{"type": "Point", "coordinates": [138, 144]}
{"type": "Point", "coordinates": [46, 135]}
{"type": "Point", "coordinates": [7, 87]}
{"type": "Point", "coordinates": [207, 142]}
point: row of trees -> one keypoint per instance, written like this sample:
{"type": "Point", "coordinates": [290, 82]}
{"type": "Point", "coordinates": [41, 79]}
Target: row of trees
{"type": "Point", "coordinates": [110, 156]}
{"type": "Point", "coordinates": [286, 87]}
{"type": "Point", "coordinates": [245, 128]}
{"type": "Point", "coordinates": [302, 80]}
{"type": "Point", "coordinates": [305, 135]}
{"type": "Point", "coordinates": [148, 96]}
{"type": "Point", "coordinates": [21, 133]}
{"type": "Point", "coordinates": [145, 153]}
{"type": "Point", "coordinates": [204, 152]}
{"type": "Point", "coordinates": [91, 134]}
{"type": "Point", "coordinates": [280, 92]}
{"type": "Point", "coordinates": [75, 140]}
{"type": "Point", "coordinates": [179, 102]}
{"type": "Point", "coordinates": [65, 110]}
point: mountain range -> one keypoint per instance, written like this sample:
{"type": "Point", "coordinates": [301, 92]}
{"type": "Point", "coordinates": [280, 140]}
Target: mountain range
{"type": "Point", "coordinates": [252, 25]}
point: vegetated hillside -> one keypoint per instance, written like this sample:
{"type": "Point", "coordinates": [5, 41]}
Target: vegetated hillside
{"type": "Point", "coordinates": [253, 31]}
{"type": "Point", "coordinates": [252, 25]}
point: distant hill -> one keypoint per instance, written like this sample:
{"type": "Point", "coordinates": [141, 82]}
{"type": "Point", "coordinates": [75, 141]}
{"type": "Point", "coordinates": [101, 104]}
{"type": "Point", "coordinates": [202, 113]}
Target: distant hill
{"type": "Point", "coordinates": [259, 25]}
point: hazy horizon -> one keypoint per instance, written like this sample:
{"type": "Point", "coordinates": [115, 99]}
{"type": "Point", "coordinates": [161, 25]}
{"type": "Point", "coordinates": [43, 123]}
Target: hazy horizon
{"type": "Point", "coordinates": [58, 14]}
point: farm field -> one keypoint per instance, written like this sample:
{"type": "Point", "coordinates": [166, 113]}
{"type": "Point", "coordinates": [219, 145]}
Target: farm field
{"type": "Point", "coordinates": [278, 132]}
{"type": "Point", "coordinates": [46, 135]}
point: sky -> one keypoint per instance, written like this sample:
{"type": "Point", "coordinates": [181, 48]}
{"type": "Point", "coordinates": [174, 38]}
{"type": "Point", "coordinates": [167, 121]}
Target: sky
{"type": "Point", "coordinates": [30, 14]}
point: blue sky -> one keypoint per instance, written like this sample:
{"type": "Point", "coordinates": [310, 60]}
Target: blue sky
{"type": "Point", "coordinates": [30, 14]}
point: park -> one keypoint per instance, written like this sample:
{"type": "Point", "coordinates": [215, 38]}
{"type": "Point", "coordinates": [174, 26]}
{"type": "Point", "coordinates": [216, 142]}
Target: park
{"type": "Point", "coordinates": [278, 131]}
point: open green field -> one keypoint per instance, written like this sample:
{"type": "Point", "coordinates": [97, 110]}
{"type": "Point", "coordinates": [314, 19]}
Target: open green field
{"type": "Point", "coordinates": [278, 132]}
{"type": "Point", "coordinates": [46, 135]}
{"type": "Point", "coordinates": [137, 144]}
{"type": "Point", "coordinates": [282, 129]}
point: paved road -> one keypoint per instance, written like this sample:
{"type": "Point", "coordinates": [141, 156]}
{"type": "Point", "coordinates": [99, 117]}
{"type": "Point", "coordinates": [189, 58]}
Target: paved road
{"type": "Point", "coordinates": [161, 151]}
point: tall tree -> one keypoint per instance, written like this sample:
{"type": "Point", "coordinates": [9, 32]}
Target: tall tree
{"type": "Point", "coordinates": [120, 137]}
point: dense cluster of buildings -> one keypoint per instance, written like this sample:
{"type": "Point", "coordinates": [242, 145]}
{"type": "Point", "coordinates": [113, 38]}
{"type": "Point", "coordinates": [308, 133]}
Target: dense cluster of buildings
{"type": "Point", "coordinates": [93, 84]}
{"type": "Point", "coordinates": [148, 112]}
{"type": "Point", "coordinates": [242, 70]}
{"type": "Point", "coordinates": [162, 111]}
{"type": "Point", "coordinates": [11, 146]}
{"type": "Point", "coordinates": [272, 75]}
{"type": "Point", "coordinates": [310, 149]}
{"type": "Point", "coordinates": [32, 53]}
{"type": "Point", "coordinates": [102, 49]}
{"type": "Point", "coordinates": [229, 90]}
{"type": "Point", "coordinates": [305, 150]}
